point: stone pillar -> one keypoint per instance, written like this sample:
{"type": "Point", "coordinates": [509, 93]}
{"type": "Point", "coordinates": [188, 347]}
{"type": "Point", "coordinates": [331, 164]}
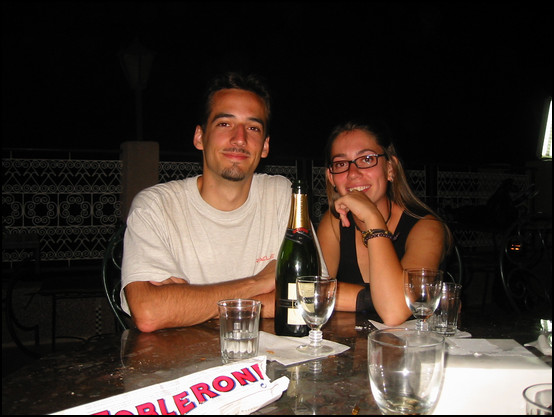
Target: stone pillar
{"type": "Point", "coordinates": [140, 170]}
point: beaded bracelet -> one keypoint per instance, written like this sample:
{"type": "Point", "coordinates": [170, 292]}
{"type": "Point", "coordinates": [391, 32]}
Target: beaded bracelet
{"type": "Point", "coordinates": [371, 233]}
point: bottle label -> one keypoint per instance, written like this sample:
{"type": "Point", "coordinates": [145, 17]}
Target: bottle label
{"type": "Point", "coordinates": [291, 291]}
{"type": "Point", "coordinates": [298, 235]}
{"type": "Point", "coordinates": [294, 317]}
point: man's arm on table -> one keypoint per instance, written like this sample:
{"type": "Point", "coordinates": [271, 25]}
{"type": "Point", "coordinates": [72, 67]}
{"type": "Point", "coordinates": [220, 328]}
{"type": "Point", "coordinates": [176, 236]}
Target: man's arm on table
{"type": "Point", "coordinates": [175, 303]}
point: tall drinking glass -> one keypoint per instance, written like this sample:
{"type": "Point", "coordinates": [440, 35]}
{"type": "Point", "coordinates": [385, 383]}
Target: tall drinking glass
{"type": "Point", "coordinates": [406, 370]}
{"type": "Point", "coordinates": [422, 290]}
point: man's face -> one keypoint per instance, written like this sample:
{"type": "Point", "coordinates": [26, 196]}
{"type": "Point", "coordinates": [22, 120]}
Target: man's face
{"type": "Point", "coordinates": [235, 139]}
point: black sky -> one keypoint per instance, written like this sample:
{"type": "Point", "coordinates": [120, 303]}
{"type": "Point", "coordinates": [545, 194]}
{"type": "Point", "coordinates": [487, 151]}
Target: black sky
{"type": "Point", "coordinates": [453, 80]}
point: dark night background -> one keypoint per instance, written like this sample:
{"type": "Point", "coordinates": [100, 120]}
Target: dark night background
{"type": "Point", "coordinates": [458, 83]}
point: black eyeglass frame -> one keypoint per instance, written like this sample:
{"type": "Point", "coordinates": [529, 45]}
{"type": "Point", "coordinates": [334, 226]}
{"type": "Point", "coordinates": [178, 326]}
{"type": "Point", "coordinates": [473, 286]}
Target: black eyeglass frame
{"type": "Point", "coordinates": [355, 162]}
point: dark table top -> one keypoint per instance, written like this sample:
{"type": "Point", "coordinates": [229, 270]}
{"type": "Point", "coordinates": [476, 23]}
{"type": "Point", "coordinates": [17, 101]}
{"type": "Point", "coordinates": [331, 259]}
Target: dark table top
{"type": "Point", "coordinates": [113, 364]}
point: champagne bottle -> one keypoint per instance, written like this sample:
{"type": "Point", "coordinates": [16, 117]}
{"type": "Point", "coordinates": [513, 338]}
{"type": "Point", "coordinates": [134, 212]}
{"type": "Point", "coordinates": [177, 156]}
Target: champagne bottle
{"type": "Point", "coordinates": [298, 256]}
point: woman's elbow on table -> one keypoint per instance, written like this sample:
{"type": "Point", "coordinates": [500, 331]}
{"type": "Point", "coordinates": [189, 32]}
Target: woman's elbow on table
{"type": "Point", "coordinates": [394, 318]}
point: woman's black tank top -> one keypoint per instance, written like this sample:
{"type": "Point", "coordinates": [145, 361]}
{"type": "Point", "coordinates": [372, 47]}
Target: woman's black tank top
{"type": "Point", "coordinates": [349, 271]}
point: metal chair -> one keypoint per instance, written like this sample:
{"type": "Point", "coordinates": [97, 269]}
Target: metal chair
{"type": "Point", "coordinates": [454, 269]}
{"type": "Point", "coordinates": [525, 262]}
{"type": "Point", "coordinates": [111, 276]}
{"type": "Point", "coordinates": [77, 282]}
{"type": "Point", "coordinates": [30, 267]}
{"type": "Point", "coordinates": [13, 323]}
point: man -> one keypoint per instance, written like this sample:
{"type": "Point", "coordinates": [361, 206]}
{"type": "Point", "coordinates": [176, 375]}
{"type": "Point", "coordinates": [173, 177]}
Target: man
{"type": "Point", "coordinates": [190, 243]}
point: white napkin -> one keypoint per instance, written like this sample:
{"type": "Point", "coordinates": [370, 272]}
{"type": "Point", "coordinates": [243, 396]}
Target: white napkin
{"type": "Point", "coordinates": [488, 376]}
{"type": "Point", "coordinates": [410, 324]}
{"type": "Point", "coordinates": [541, 344]}
{"type": "Point", "coordinates": [283, 349]}
{"type": "Point", "coordinates": [479, 347]}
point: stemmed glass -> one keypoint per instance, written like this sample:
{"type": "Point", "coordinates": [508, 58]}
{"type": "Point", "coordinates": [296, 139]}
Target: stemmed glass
{"type": "Point", "coordinates": [422, 290]}
{"type": "Point", "coordinates": [316, 300]}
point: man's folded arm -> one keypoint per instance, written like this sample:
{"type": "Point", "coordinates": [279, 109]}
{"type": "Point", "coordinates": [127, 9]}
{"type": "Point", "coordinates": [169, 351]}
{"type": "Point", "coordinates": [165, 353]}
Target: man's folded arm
{"type": "Point", "coordinates": [175, 303]}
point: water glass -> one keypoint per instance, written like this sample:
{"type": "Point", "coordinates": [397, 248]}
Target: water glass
{"type": "Point", "coordinates": [406, 370]}
{"type": "Point", "coordinates": [316, 297]}
{"type": "Point", "coordinates": [538, 399]}
{"type": "Point", "coordinates": [445, 318]}
{"type": "Point", "coordinates": [546, 328]}
{"type": "Point", "coordinates": [239, 322]}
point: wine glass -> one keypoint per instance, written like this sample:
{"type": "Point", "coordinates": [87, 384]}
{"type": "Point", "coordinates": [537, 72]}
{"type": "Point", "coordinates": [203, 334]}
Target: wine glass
{"type": "Point", "coordinates": [422, 290]}
{"type": "Point", "coordinates": [316, 300]}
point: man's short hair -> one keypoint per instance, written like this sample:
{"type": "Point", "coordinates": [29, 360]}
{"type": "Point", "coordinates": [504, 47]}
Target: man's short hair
{"type": "Point", "coordinates": [252, 82]}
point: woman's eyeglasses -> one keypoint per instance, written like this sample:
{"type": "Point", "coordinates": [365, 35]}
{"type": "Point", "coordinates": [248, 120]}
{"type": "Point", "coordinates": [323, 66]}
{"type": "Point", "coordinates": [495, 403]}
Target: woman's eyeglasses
{"type": "Point", "coordinates": [363, 162]}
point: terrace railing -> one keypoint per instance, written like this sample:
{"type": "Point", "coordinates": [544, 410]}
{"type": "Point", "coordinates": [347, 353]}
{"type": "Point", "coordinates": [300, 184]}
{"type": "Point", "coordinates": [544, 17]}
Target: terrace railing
{"type": "Point", "coordinates": [72, 206]}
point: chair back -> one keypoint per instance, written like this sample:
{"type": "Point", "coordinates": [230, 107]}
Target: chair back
{"type": "Point", "coordinates": [111, 276]}
{"type": "Point", "coordinates": [525, 263]}
{"type": "Point", "coordinates": [454, 269]}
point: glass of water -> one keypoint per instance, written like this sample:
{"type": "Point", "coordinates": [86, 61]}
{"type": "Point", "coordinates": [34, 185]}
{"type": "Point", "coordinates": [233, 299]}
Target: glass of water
{"type": "Point", "coordinates": [316, 297]}
{"type": "Point", "coordinates": [239, 322]}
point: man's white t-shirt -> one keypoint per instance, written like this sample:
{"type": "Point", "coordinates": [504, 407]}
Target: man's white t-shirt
{"type": "Point", "coordinates": [172, 231]}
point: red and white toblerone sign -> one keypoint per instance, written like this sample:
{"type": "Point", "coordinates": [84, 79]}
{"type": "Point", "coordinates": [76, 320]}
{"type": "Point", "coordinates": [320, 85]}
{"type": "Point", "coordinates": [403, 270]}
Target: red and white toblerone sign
{"type": "Point", "coordinates": [236, 388]}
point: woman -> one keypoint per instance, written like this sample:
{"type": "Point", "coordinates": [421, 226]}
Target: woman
{"type": "Point", "coordinates": [375, 226]}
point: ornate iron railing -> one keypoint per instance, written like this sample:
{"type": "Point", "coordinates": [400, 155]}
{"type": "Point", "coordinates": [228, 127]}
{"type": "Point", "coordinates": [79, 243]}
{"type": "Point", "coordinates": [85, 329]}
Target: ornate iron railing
{"type": "Point", "coordinates": [72, 206]}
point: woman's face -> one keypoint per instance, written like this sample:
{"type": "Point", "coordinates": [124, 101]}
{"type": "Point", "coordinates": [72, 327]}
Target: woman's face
{"type": "Point", "coordinates": [371, 181]}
